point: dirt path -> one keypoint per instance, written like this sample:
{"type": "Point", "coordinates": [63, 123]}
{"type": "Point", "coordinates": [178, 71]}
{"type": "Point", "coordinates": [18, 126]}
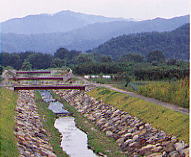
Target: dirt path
{"type": "Point", "coordinates": [152, 100]}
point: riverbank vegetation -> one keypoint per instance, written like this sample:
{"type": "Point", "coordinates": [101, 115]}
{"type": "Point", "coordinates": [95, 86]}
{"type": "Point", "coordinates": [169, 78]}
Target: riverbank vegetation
{"type": "Point", "coordinates": [97, 140]}
{"type": "Point", "coordinates": [175, 92]}
{"type": "Point", "coordinates": [125, 70]}
{"type": "Point", "coordinates": [8, 101]}
{"type": "Point", "coordinates": [170, 91]}
{"type": "Point", "coordinates": [172, 122]}
{"type": "Point", "coordinates": [48, 122]}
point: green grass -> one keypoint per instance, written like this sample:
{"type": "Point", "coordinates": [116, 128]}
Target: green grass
{"type": "Point", "coordinates": [172, 122]}
{"type": "Point", "coordinates": [175, 92]}
{"type": "Point", "coordinates": [48, 123]}
{"type": "Point", "coordinates": [8, 100]}
{"type": "Point", "coordinates": [97, 140]}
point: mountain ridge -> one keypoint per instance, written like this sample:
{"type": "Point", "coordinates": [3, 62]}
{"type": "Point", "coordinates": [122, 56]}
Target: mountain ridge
{"type": "Point", "coordinates": [87, 37]}
{"type": "Point", "coordinates": [62, 21]}
{"type": "Point", "coordinates": [174, 44]}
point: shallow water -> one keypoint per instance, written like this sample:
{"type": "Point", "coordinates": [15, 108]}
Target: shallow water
{"type": "Point", "coordinates": [74, 141]}
{"type": "Point", "coordinates": [57, 107]}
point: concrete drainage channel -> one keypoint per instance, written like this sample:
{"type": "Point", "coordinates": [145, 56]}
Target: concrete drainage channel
{"type": "Point", "coordinates": [71, 135]}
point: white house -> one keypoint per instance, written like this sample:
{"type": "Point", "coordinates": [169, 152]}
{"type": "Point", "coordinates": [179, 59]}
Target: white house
{"type": "Point", "coordinates": [87, 76]}
{"type": "Point", "coordinates": [106, 76]}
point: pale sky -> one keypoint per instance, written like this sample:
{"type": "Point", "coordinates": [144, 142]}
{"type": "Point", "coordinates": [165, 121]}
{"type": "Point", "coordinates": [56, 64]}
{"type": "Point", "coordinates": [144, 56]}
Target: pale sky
{"type": "Point", "coordinates": [138, 9]}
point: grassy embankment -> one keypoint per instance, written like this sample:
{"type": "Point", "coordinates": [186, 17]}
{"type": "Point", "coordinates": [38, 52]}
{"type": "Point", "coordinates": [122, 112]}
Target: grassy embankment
{"type": "Point", "coordinates": [97, 140]}
{"type": "Point", "coordinates": [175, 92]}
{"type": "Point", "coordinates": [8, 100]}
{"type": "Point", "coordinates": [48, 123]}
{"type": "Point", "coordinates": [173, 123]}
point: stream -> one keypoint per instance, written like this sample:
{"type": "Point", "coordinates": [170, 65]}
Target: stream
{"type": "Point", "coordinates": [74, 141]}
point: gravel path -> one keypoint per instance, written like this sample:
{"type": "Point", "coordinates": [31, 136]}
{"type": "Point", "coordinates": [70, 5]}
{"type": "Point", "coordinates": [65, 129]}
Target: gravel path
{"type": "Point", "coordinates": [152, 100]}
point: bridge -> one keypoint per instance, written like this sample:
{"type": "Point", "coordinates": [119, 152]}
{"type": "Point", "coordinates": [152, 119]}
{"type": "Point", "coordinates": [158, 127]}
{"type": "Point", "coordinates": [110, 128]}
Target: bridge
{"type": "Point", "coordinates": [37, 78]}
{"type": "Point", "coordinates": [41, 86]}
{"type": "Point", "coordinates": [33, 72]}
{"type": "Point", "coordinates": [46, 87]}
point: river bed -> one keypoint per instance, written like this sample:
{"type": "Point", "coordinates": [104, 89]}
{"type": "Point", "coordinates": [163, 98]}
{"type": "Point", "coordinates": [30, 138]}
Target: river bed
{"type": "Point", "coordinates": [74, 141]}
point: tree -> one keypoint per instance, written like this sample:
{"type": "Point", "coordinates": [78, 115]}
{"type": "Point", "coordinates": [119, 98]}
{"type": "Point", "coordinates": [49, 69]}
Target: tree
{"type": "Point", "coordinates": [156, 56]}
{"type": "Point", "coordinates": [40, 60]}
{"type": "Point", "coordinates": [61, 53]}
{"type": "Point", "coordinates": [132, 57]}
{"type": "Point", "coordinates": [84, 58]}
{"type": "Point", "coordinates": [1, 69]}
{"type": "Point", "coordinates": [26, 65]}
{"type": "Point", "coordinates": [10, 59]}
{"type": "Point", "coordinates": [105, 59]}
{"type": "Point", "coordinates": [66, 55]}
{"type": "Point", "coordinates": [58, 63]}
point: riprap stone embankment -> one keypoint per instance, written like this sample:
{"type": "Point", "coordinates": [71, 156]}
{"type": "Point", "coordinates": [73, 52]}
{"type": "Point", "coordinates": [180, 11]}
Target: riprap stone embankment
{"type": "Point", "coordinates": [132, 135]}
{"type": "Point", "coordinates": [32, 138]}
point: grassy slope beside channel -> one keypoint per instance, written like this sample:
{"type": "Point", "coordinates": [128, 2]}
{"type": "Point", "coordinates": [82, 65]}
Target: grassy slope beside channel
{"type": "Point", "coordinates": [175, 92]}
{"type": "Point", "coordinates": [97, 140]}
{"type": "Point", "coordinates": [48, 123]}
{"type": "Point", "coordinates": [8, 100]}
{"type": "Point", "coordinates": [172, 122]}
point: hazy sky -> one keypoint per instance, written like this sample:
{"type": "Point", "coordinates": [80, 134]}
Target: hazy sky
{"type": "Point", "coordinates": [138, 9]}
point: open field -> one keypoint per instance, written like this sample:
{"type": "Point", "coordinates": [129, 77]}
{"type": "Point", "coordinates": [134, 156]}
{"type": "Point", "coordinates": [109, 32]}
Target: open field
{"type": "Point", "coordinates": [172, 122]}
{"type": "Point", "coordinates": [175, 92]}
{"type": "Point", "coordinates": [8, 100]}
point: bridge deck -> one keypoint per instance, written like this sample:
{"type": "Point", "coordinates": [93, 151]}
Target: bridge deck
{"type": "Point", "coordinates": [33, 72]}
{"type": "Point", "coordinates": [37, 78]}
{"type": "Point", "coordinates": [48, 87]}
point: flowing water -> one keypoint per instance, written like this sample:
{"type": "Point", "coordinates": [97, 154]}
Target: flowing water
{"type": "Point", "coordinates": [74, 141]}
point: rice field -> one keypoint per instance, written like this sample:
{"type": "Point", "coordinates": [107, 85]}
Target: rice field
{"type": "Point", "coordinates": [175, 92]}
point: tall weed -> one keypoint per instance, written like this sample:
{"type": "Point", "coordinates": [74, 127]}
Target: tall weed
{"type": "Point", "coordinates": [176, 92]}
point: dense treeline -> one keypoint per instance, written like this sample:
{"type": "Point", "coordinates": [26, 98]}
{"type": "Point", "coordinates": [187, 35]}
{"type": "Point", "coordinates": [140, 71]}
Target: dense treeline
{"type": "Point", "coordinates": [175, 44]}
{"type": "Point", "coordinates": [62, 57]}
{"type": "Point", "coordinates": [94, 68]}
{"type": "Point", "coordinates": [161, 72]}
{"type": "Point", "coordinates": [154, 66]}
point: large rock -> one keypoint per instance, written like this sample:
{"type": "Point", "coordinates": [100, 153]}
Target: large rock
{"type": "Point", "coordinates": [146, 150]}
{"type": "Point", "coordinates": [179, 146]}
{"type": "Point", "coordinates": [174, 154]}
{"type": "Point", "coordinates": [155, 155]}
{"type": "Point", "coordinates": [109, 133]}
{"type": "Point", "coordinates": [120, 141]}
{"type": "Point", "coordinates": [184, 152]}
{"type": "Point", "coordinates": [169, 147]}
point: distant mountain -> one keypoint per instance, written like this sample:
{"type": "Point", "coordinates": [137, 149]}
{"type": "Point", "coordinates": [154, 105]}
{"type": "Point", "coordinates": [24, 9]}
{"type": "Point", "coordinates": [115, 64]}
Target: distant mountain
{"type": "Point", "coordinates": [174, 44]}
{"type": "Point", "coordinates": [63, 21]}
{"type": "Point", "coordinates": [87, 37]}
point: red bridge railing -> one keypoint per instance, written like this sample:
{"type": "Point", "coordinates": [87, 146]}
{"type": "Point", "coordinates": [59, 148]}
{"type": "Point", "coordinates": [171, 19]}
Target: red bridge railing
{"type": "Point", "coordinates": [48, 87]}
{"type": "Point", "coordinates": [37, 78]}
{"type": "Point", "coordinates": [33, 72]}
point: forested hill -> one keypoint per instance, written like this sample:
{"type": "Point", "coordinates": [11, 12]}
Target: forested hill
{"type": "Point", "coordinates": [84, 38]}
{"type": "Point", "coordinates": [174, 44]}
